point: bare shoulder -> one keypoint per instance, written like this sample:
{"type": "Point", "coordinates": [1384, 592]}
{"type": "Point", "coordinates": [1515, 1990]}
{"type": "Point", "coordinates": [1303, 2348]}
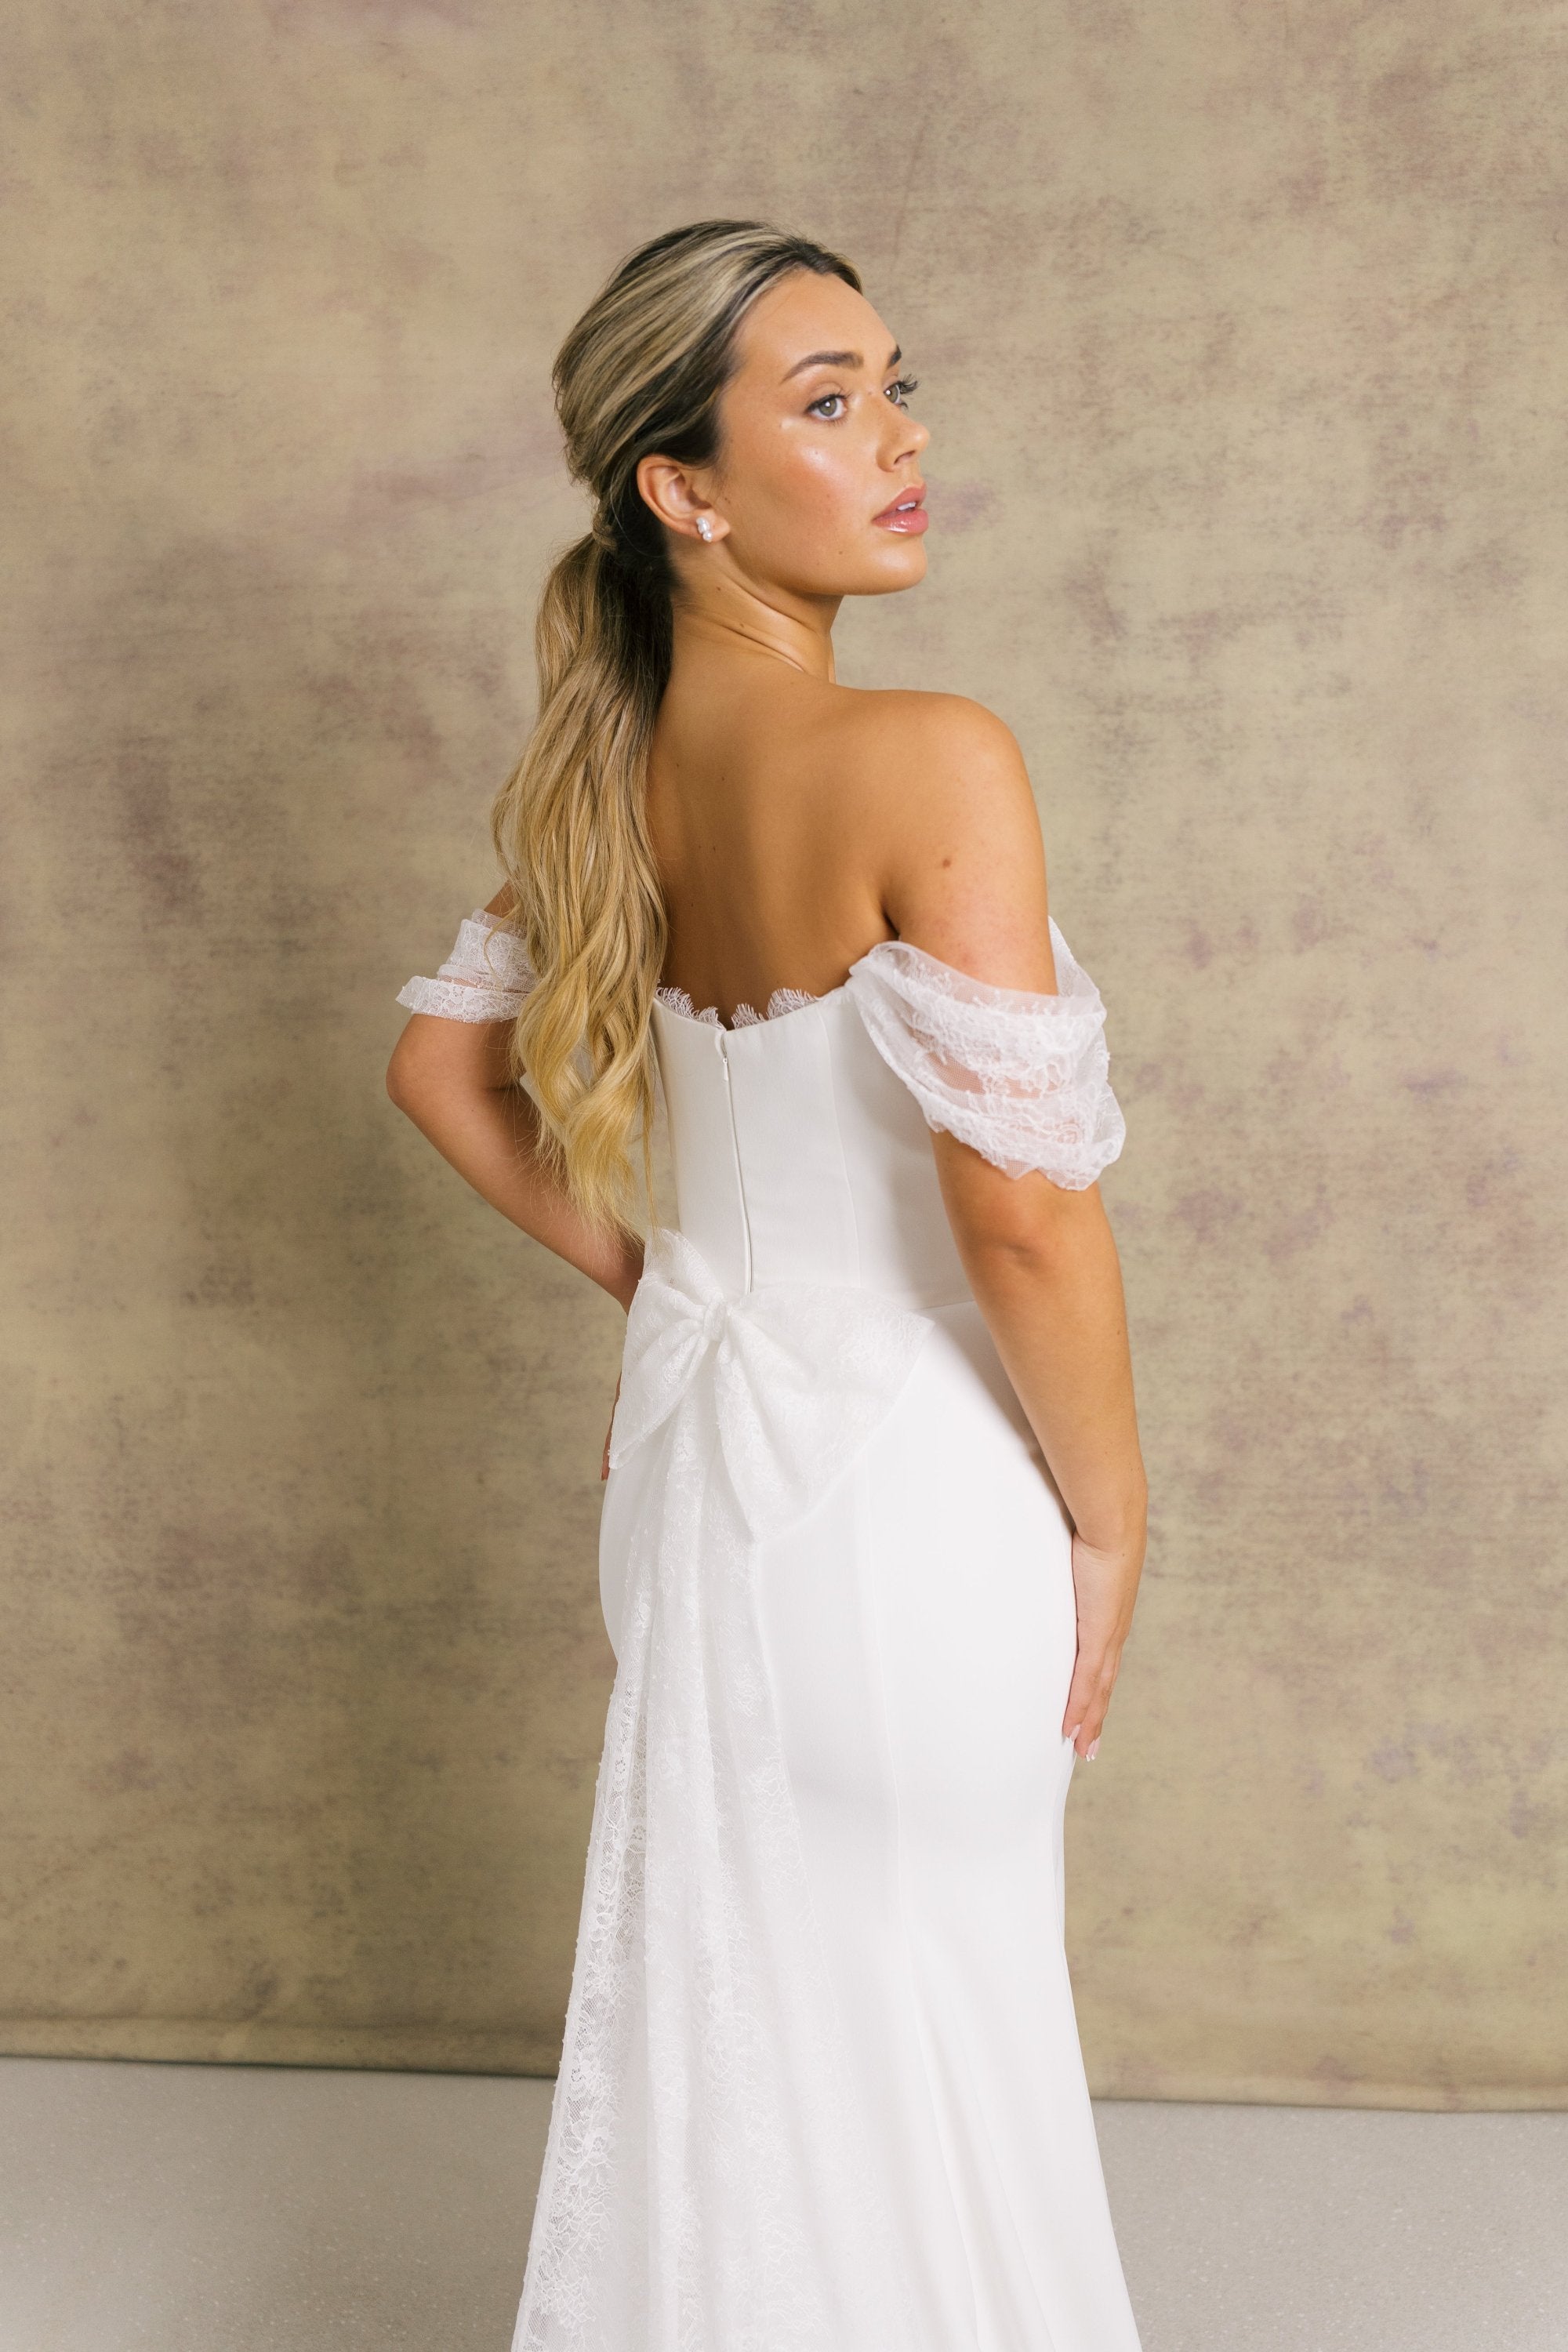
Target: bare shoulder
{"type": "Point", "coordinates": [947, 816]}
{"type": "Point", "coordinates": [899, 728]}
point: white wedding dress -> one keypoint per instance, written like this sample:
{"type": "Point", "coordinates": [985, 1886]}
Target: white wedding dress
{"type": "Point", "coordinates": [821, 2088]}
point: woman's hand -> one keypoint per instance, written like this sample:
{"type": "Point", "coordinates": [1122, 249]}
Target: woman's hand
{"type": "Point", "coordinates": [605, 1464]}
{"type": "Point", "coordinates": [1105, 1585]}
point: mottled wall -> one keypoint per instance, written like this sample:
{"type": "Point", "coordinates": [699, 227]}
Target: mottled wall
{"type": "Point", "coordinates": [1242, 341]}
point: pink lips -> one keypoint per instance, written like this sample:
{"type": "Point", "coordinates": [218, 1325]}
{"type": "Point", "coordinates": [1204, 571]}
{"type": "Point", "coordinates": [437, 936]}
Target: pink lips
{"type": "Point", "coordinates": [906, 514]}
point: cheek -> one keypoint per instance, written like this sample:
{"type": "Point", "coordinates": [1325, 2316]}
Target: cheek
{"type": "Point", "coordinates": [819, 486]}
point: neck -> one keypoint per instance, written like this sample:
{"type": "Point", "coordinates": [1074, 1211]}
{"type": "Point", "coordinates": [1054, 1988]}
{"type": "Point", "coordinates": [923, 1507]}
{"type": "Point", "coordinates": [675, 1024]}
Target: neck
{"type": "Point", "coordinates": [719, 613]}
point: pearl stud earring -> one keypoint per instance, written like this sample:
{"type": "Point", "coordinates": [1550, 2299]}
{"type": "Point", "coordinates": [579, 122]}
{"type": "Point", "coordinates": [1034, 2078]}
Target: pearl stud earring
{"type": "Point", "coordinates": [704, 530]}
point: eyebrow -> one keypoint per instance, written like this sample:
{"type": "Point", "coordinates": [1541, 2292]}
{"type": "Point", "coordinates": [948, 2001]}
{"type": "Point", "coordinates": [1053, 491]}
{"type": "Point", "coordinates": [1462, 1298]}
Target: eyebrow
{"type": "Point", "coordinates": [836, 359]}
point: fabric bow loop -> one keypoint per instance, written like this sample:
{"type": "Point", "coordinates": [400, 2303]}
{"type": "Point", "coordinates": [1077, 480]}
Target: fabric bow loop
{"type": "Point", "coordinates": [799, 1373]}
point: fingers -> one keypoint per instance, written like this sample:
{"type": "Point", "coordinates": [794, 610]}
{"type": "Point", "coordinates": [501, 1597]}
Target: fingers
{"type": "Point", "coordinates": [605, 1458]}
{"type": "Point", "coordinates": [1105, 1585]}
{"type": "Point", "coordinates": [1088, 1697]}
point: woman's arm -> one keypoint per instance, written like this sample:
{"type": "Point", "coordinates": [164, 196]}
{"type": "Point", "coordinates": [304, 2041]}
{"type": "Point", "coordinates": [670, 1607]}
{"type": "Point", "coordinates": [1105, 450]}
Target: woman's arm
{"type": "Point", "coordinates": [450, 1079]}
{"type": "Point", "coordinates": [1044, 1270]}
{"type": "Point", "coordinates": [965, 880]}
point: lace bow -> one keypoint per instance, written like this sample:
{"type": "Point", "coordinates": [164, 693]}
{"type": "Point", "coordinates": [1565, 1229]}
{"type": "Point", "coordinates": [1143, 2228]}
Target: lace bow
{"type": "Point", "coordinates": [706, 2184]}
{"type": "Point", "coordinates": [801, 1374]}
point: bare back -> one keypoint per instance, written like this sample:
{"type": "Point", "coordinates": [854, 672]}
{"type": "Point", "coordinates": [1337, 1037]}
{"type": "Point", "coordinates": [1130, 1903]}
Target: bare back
{"type": "Point", "coordinates": [796, 823]}
{"type": "Point", "coordinates": [766, 848]}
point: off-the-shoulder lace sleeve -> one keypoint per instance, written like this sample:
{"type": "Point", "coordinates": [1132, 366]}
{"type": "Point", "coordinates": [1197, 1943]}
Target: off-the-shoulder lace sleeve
{"type": "Point", "coordinates": [1022, 1079]}
{"type": "Point", "coordinates": [485, 978]}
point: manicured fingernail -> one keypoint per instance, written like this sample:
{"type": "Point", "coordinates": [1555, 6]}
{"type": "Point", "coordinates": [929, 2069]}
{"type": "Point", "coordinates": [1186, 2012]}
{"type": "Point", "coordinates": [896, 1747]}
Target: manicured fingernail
{"type": "Point", "coordinates": [1092, 1751]}
{"type": "Point", "coordinates": [1073, 1730]}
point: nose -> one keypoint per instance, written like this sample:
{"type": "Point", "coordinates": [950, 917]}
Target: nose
{"type": "Point", "coordinates": [907, 439]}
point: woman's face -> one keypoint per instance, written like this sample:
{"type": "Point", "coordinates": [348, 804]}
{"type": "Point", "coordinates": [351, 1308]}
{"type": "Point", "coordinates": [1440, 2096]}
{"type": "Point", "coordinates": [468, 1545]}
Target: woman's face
{"type": "Point", "coordinates": [816, 490]}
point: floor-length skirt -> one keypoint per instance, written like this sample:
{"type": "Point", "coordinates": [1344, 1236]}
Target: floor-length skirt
{"type": "Point", "coordinates": [920, 1633]}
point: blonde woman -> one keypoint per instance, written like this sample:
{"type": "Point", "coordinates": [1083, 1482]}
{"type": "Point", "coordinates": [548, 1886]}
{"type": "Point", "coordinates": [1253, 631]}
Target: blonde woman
{"type": "Point", "coordinates": [875, 1511]}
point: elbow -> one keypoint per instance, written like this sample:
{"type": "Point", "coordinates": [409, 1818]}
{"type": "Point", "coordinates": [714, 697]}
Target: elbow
{"type": "Point", "coordinates": [1036, 1234]}
{"type": "Point", "coordinates": [403, 1075]}
{"type": "Point", "coordinates": [1012, 1260]}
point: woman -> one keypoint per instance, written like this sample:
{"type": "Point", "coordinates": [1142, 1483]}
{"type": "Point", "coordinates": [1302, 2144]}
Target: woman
{"type": "Point", "coordinates": [875, 1511]}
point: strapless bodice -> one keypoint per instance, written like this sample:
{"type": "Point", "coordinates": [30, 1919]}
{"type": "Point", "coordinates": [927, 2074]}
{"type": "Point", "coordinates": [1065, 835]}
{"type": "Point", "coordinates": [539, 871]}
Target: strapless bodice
{"type": "Point", "coordinates": [799, 1155]}
{"type": "Point", "coordinates": [800, 1138]}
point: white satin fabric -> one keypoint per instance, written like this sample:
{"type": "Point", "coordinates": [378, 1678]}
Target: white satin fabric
{"type": "Point", "coordinates": [821, 2088]}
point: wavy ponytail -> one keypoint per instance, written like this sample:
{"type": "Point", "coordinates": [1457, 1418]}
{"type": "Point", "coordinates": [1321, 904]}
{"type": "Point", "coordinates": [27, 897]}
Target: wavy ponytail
{"type": "Point", "coordinates": [639, 376]}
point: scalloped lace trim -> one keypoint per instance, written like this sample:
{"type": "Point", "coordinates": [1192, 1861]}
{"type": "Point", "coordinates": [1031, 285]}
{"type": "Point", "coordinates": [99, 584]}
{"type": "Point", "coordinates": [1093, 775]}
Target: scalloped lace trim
{"type": "Point", "coordinates": [487, 974]}
{"type": "Point", "coordinates": [746, 1016]}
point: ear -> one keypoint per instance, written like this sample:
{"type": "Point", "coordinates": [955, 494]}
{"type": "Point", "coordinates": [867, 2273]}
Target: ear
{"type": "Point", "coordinates": [672, 492]}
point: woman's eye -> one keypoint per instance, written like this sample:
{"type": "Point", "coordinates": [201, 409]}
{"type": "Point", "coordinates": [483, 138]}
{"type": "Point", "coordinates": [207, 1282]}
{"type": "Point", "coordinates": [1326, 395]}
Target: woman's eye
{"type": "Point", "coordinates": [898, 391]}
{"type": "Point", "coordinates": [818, 407]}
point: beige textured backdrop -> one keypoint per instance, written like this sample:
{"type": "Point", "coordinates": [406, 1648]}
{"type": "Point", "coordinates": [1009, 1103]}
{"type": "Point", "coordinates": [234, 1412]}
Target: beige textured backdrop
{"type": "Point", "coordinates": [1244, 345]}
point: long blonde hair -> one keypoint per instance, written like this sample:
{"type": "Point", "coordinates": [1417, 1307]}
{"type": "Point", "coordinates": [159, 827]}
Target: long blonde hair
{"type": "Point", "coordinates": [639, 376]}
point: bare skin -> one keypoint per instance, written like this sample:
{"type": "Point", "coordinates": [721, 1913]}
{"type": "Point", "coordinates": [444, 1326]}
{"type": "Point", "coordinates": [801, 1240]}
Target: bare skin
{"type": "Point", "coordinates": [796, 823]}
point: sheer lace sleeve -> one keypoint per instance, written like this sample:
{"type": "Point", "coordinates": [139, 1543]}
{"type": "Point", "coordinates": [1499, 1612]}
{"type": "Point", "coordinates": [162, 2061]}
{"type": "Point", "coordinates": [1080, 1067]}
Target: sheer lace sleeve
{"type": "Point", "coordinates": [485, 978]}
{"type": "Point", "coordinates": [1020, 1077]}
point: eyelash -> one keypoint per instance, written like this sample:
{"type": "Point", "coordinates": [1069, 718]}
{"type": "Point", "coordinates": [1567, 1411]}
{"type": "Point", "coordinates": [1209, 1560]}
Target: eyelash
{"type": "Point", "coordinates": [903, 385]}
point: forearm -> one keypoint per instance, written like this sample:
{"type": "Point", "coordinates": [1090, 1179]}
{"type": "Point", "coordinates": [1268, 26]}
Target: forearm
{"type": "Point", "coordinates": [490, 1136]}
{"type": "Point", "coordinates": [1049, 1286]}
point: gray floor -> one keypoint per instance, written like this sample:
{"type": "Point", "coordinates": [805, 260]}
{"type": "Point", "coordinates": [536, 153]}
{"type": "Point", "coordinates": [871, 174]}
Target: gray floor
{"type": "Point", "coordinates": [218, 2208]}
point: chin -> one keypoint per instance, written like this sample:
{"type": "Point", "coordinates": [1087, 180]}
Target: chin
{"type": "Point", "coordinates": [874, 572]}
{"type": "Point", "coordinates": [904, 565]}
{"type": "Point", "coordinates": [911, 571]}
